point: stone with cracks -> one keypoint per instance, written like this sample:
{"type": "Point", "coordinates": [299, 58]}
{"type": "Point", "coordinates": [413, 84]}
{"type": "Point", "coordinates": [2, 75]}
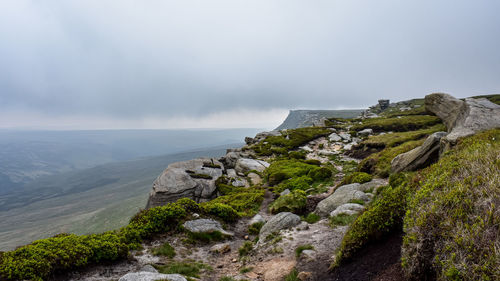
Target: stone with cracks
{"type": "Point", "coordinates": [347, 209]}
{"type": "Point", "coordinates": [205, 226]}
{"type": "Point", "coordinates": [418, 157]}
{"type": "Point", "coordinates": [244, 165]}
{"type": "Point", "coordinates": [341, 196]}
{"type": "Point", "coordinates": [185, 179]}
{"type": "Point", "coordinates": [278, 222]}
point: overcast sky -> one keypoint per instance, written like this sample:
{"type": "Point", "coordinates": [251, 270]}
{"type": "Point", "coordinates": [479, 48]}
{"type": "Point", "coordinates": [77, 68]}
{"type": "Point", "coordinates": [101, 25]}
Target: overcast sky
{"type": "Point", "coordinates": [170, 64]}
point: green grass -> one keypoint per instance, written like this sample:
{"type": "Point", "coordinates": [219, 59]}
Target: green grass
{"type": "Point", "coordinates": [301, 248]}
{"type": "Point", "coordinates": [342, 219]}
{"type": "Point", "coordinates": [227, 278]}
{"type": "Point", "coordinates": [294, 202]}
{"type": "Point", "coordinates": [312, 218]}
{"type": "Point", "coordinates": [356, 177]}
{"type": "Point", "coordinates": [187, 268]}
{"type": "Point", "coordinates": [292, 276]}
{"type": "Point", "coordinates": [245, 249]}
{"type": "Point", "coordinates": [245, 269]}
{"type": "Point", "coordinates": [295, 174]}
{"type": "Point", "coordinates": [396, 124]}
{"type": "Point", "coordinates": [395, 139]}
{"type": "Point", "coordinates": [254, 228]}
{"type": "Point", "coordinates": [164, 250]}
{"type": "Point", "coordinates": [204, 237]}
{"type": "Point", "coordinates": [245, 201]}
{"type": "Point", "coordinates": [290, 140]}
{"type": "Point", "coordinates": [452, 223]}
{"type": "Point", "coordinates": [492, 98]}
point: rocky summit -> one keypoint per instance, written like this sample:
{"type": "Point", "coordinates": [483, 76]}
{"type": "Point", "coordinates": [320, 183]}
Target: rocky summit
{"type": "Point", "coordinates": [407, 191]}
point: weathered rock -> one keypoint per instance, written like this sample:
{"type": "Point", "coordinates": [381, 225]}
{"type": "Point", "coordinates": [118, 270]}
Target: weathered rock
{"type": "Point", "coordinates": [341, 196]}
{"type": "Point", "coordinates": [220, 248]}
{"type": "Point", "coordinates": [254, 178]}
{"type": "Point", "coordinates": [244, 165]}
{"type": "Point", "coordinates": [345, 136]}
{"type": "Point", "coordinates": [205, 226]}
{"type": "Point", "coordinates": [231, 173]}
{"type": "Point", "coordinates": [365, 132]}
{"type": "Point", "coordinates": [372, 185]}
{"type": "Point", "coordinates": [304, 276]}
{"type": "Point", "coordinates": [308, 255]}
{"type": "Point", "coordinates": [278, 222]}
{"type": "Point", "coordinates": [306, 148]}
{"type": "Point", "coordinates": [238, 182]}
{"type": "Point", "coordinates": [232, 155]}
{"type": "Point", "coordinates": [150, 276]}
{"type": "Point", "coordinates": [463, 118]}
{"type": "Point", "coordinates": [418, 157]}
{"type": "Point", "coordinates": [180, 180]}
{"type": "Point", "coordinates": [334, 137]}
{"type": "Point", "coordinates": [148, 268]}
{"type": "Point", "coordinates": [347, 209]}
{"type": "Point", "coordinates": [276, 269]}
{"type": "Point", "coordinates": [285, 192]}
{"type": "Point", "coordinates": [256, 219]}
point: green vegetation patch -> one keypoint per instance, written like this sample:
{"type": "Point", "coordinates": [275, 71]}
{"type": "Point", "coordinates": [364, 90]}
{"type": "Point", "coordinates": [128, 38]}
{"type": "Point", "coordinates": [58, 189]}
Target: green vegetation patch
{"type": "Point", "coordinates": [164, 250]}
{"type": "Point", "coordinates": [398, 124]}
{"type": "Point", "coordinates": [395, 139]}
{"type": "Point", "coordinates": [452, 224]}
{"type": "Point", "coordinates": [245, 249]}
{"type": "Point", "coordinates": [294, 202]}
{"type": "Point", "coordinates": [220, 210]}
{"type": "Point", "coordinates": [342, 219]}
{"type": "Point", "coordinates": [254, 228]}
{"type": "Point", "coordinates": [295, 174]}
{"type": "Point", "coordinates": [380, 163]}
{"type": "Point", "coordinates": [312, 218]}
{"type": "Point", "coordinates": [204, 237]}
{"type": "Point", "coordinates": [356, 177]}
{"type": "Point", "coordinates": [292, 276]}
{"type": "Point", "coordinates": [289, 140]}
{"type": "Point", "coordinates": [245, 201]}
{"type": "Point", "coordinates": [189, 268]}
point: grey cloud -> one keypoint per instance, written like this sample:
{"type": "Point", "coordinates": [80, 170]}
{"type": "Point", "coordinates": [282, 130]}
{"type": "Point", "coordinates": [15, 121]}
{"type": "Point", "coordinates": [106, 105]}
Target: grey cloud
{"type": "Point", "coordinates": [191, 58]}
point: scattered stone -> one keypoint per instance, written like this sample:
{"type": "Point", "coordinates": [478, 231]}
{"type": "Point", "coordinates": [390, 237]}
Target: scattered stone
{"type": "Point", "coordinates": [257, 218]}
{"type": "Point", "coordinates": [342, 195]}
{"type": "Point", "coordinates": [308, 255]}
{"type": "Point", "coordinates": [150, 276]}
{"type": "Point", "coordinates": [231, 173]}
{"type": "Point", "coordinates": [177, 181]}
{"type": "Point", "coordinates": [246, 237]}
{"type": "Point", "coordinates": [365, 132]}
{"type": "Point", "coordinates": [345, 136]}
{"type": "Point", "coordinates": [148, 268]}
{"type": "Point", "coordinates": [334, 137]}
{"type": "Point", "coordinates": [418, 157]}
{"type": "Point", "coordinates": [220, 248]}
{"type": "Point", "coordinates": [304, 276]}
{"type": "Point", "coordinates": [205, 226]}
{"type": "Point", "coordinates": [347, 209]}
{"type": "Point", "coordinates": [285, 192]}
{"type": "Point", "coordinates": [244, 165]}
{"type": "Point", "coordinates": [195, 215]}
{"type": "Point", "coordinates": [306, 148]}
{"type": "Point", "coordinates": [234, 260]}
{"type": "Point", "coordinates": [239, 182]}
{"type": "Point", "coordinates": [278, 222]}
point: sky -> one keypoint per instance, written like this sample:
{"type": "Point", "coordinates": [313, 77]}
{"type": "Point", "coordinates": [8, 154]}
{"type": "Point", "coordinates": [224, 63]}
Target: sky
{"type": "Point", "coordinates": [101, 64]}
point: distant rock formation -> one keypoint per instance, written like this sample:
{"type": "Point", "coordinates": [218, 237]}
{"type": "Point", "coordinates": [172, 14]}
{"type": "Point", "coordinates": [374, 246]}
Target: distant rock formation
{"type": "Point", "coordinates": [462, 118]}
{"type": "Point", "coordinates": [307, 118]}
{"type": "Point", "coordinates": [194, 179]}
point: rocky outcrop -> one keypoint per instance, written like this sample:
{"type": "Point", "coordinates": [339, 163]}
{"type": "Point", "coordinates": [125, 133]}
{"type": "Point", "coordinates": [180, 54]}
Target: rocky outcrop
{"type": "Point", "coordinates": [347, 209]}
{"type": "Point", "coordinates": [232, 155]}
{"type": "Point", "coordinates": [205, 226]}
{"type": "Point", "coordinates": [462, 118]}
{"type": "Point", "coordinates": [307, 118]}
{"type": "Point", "coordinates": [244, 165]}
{"type": "Point", "coordinates": [150, 276]}
{"type": "Point", "coordinates": [418, 157]}
{"type": "Point", "coordinates": [193, 179]}
{"type": "Point", "coordinates": [278, 222]}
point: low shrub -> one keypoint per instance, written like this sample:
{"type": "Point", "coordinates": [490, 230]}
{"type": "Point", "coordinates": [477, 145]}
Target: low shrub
{"type": "Point", "coordinates": [289, 140]}
{"type": "Point", "coordinates": [297, 154]}
{"type": "Point", "coordinates": [282, 170]}
{"type": "Point", "coordinates": [302, 183]}
{"type": "Point", "coordinates": [313, 162]}
{"type": "Point", "coordinates": [204, 237]}
{"type": "Point", "coordinates": [342, 219]}
{"type": "Point", "coordinates": [294, 202]}
{"type": "Point", "coordinates": [398, 124]}
{"type": "Point", "coordinates": [220, 210]}
{"type": "Point", "coordinates": [319, 174]}
{"type": "Point", "coordinates": [246, 202]}
{"type": "Point", "coordinates": [312, 218]}
{"type": "Point", "coordinates": [187, 268]}
{"type": "Point", "coordinates": [292, 276]}
{"type": "Point", "coordinates": [356, 177]}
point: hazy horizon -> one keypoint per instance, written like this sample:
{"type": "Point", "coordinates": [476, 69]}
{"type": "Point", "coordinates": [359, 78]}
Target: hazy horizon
{"type": "Point", "coordinates": [234, 64]}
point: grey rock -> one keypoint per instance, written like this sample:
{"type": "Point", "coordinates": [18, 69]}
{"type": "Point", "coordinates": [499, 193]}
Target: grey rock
{"type": "Point", "coordinates": [306, 148]}
{"type": "Point", "coordinates": [231, 173]}
{"type": "Point", "coordinates": [418, 157]}
{"type": "Point", "coordinates": [244, 165]}
{"type": "Point", "coordinates": [220, 248]}
{"type": "Point", "coordinates": [148, 268]}
{"type": "Point", "coordinates": [372, 185]}
{"type": "Point", "coordinates": [347, 209]}
{"type": "Point", "coordinates": [341, 196]}
{"type": "Point", "coordinates": [150, 276]}
{"type": "Point", "coordinates": [334, 137]}
{"type": "Point", "coordinates": [254, 178]}
{"type": "Point", "coordinates": [232, 156]}
{"type": "Point", "coordinates": [285, 192]}
{"type": "Point", "coordinates": [345, 136]}
{"type": "Point", "coordinates": [176, 182]}
{"type": "Point", "coordinates": [463, 118]}
{"type": "Point", "coordinates": [308, 255]}
{"type": "Point", "coordinates": [205, 226]}
{"type": "Point", "coordinates": [256, 219]}
{"type": "Point", "coordinates": [239, 182]}
{"type": "Point", "coordinates": [365, 132]}
{"type": "Point", "coordinates": [278, 222]}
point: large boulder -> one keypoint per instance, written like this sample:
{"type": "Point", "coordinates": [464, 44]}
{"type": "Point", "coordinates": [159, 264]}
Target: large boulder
{"type": "Point", "coordinates": [205, 226]}
{"type": "Point", "coordinates": [244, 165]}
{"type": "Point", "coordinates": [418, 157]}
{"type": "Point", "coordinates": [341, 196]}
{"type": "Point", "coordinates": [194, 179]}
{"type": "Point", "coordinates": [462, 118]}
{"type": "Point", "coordinates": [233, 155]}
{"type": "Point", "coordinates": [278, 222]}
{"type": "Point", "coordinates": [151, 276]}
{"type": "Point", "coordinates": [347, 209]}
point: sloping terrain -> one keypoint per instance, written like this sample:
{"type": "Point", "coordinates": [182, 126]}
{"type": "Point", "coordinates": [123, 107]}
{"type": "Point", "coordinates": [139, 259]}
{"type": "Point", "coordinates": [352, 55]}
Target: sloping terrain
{"type": "Point", "coordinates": [306, 118]}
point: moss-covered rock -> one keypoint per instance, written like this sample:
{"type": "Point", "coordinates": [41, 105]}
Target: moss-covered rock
{"type": "Point", "coordinates": [294, 202]}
